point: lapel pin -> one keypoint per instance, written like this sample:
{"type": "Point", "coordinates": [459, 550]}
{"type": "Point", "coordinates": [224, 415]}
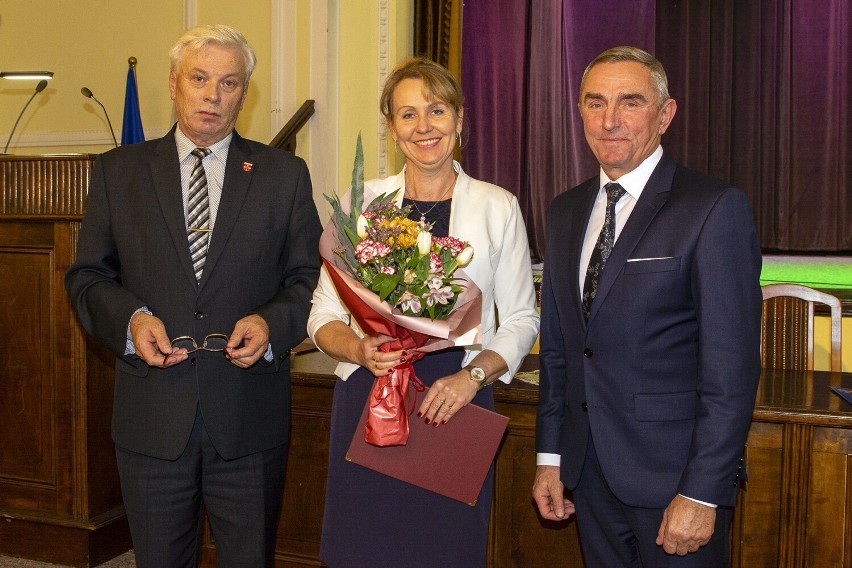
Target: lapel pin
{"type": "Point", "coordinates": [247, 166]}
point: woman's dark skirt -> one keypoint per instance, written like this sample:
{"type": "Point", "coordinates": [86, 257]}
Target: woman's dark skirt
{"type": "Point", "coordinates": [375, 521]}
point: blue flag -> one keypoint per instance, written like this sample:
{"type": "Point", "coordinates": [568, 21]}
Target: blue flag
{"type": "Point", "coordinates": [131, 130]}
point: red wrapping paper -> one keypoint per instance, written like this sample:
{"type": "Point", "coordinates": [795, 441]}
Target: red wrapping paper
{"type": "Point", "coordinates": [390, 401]}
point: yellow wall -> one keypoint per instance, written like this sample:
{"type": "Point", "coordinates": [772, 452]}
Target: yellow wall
{"type": "Point", "coordinates": [822, 343]}
{"type": "Point", "coordinates": [87, 43]}
{"type": "Point", "coordinates": [360, 86]}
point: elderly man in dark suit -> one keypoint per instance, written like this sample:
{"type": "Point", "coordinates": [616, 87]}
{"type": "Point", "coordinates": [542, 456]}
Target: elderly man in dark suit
{"type": "Point", "coordinates": [649, 339]}
{"type": "Point", "coordinates": [196, 261]}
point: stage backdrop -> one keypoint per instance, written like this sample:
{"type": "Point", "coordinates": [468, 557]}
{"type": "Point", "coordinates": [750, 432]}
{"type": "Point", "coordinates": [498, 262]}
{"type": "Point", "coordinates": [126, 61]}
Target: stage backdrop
{"type": "Point", "coordinates": [762, 89]}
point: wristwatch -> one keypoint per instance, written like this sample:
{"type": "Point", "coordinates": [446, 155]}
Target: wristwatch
{"type": "Point", "coordinates": [477, 375]}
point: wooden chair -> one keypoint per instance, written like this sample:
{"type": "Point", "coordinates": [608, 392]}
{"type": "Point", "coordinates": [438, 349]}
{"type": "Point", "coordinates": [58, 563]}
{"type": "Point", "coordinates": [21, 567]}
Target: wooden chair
{"type": "Point", "coordinates": [787, 327]}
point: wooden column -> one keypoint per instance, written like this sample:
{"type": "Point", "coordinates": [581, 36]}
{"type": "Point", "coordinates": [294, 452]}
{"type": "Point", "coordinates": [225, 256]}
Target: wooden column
{"type": "Point", "coordinates": [60, 499]}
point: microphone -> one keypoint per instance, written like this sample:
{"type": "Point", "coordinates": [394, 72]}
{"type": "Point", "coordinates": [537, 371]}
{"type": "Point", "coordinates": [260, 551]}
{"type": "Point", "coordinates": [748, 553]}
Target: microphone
{"type": "Point", "coordinates": [39, 88]}
{"type": "Point", "coordinates": [88, 94]}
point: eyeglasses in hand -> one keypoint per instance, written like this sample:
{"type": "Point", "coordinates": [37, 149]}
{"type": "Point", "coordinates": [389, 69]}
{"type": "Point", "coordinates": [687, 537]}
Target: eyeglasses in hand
{"type": "Point", "coordinates": [213, 342]}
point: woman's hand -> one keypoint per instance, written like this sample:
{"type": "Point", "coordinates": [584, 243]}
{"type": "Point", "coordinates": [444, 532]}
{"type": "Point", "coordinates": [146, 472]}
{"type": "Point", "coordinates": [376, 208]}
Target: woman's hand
{"type": "Point", "coordinates": [378, 362]}
{"type": "Point", "coordinates": [446, 397]}
{"type": "Point", "coordinates": [339, 341]}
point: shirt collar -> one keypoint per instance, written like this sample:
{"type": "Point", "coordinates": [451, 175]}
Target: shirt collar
{"type": "Point", "coordinates": [634, 182]}
{"type": "Point", "coordinates": [185, 146]}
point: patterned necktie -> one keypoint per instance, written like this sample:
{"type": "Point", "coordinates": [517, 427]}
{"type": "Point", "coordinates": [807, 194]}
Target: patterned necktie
{"type": "Point", "coordinates": [600, 254]}
{"type": "Point", "coordinates": [198, 213]}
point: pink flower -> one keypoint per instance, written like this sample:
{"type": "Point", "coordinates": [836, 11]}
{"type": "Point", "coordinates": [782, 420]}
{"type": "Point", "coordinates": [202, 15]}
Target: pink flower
{"type": "Point", "coordinates": [435, 264]}
{"type": "Point", "coordinates": [409, 302]}
{"type": "Point", "coordinates": [440, 295]}
{"type": "Point", "coordinates": [453, 244]}
{"type": "Point", "coordinates": [387, 270]}
{"type": "Point", "coordinates": [367, 251]}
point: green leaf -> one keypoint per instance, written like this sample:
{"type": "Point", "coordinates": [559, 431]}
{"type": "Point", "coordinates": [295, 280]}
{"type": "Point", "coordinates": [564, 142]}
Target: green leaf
{"type": "Point", "coordinates": [357, 191]}
{"type": "Point", "coordinates": [352, 236]}
{"type": "Point", "coordinates": [384, 284]}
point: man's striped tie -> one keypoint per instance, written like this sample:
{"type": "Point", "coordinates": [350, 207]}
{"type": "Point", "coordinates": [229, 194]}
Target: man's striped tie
{"type": "Point", "coordinates": [198, 213]}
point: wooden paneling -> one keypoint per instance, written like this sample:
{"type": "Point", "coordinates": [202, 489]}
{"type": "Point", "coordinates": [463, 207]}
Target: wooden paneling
{"type": "Point", "coordinates": [59, 493]}
{"type": "Point", "coordinates": [795, 509]}
{"type": "Point", "coordinates": [829, 499]}
{"type": "Point", "coordinates": [757, 517]}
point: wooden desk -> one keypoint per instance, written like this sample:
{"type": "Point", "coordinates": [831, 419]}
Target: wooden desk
{"type": "Point", "coordinates": [795, 510]}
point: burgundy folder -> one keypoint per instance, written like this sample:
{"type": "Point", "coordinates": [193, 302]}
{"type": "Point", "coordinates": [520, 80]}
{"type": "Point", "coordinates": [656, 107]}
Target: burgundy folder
{"type": "Point", "coordinates": [452, 459]}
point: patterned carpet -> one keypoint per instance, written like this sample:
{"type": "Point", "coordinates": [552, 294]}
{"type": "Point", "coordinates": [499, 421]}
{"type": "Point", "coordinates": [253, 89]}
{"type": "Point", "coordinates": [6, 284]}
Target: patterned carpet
{"type": "Point", "coordinates": [123, 561]}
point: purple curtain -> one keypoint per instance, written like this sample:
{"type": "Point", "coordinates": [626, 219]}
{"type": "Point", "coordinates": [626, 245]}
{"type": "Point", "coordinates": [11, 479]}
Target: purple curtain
{"type": "Point", "coordinates": [493, 80]}
{"type": "Point", "coordinates": [763, 101]}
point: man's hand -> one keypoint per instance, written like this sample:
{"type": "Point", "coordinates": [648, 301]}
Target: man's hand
{"type": "Point", "coordinates": [252, 333]}
{"type": "Point", "coordinates": [548, 493]}
{"type": "Point", "coordinates": [686, 526]}
{"type": "Point", "coordinates": [151, 342]}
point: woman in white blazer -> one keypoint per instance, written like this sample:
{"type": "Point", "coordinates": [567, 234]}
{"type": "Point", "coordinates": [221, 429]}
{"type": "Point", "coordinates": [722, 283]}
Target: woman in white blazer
{"type": "Point", "coordinates": [423, 106]}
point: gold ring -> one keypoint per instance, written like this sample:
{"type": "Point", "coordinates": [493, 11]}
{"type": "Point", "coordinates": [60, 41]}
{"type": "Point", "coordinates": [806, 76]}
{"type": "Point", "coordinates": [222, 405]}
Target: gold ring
{"type": "Point", "coordinates": [442, 401]}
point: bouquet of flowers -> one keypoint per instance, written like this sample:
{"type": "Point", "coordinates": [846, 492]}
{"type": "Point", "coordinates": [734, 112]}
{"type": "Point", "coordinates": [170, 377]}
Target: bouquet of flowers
{"type": "Point", "coordinates": [397, 280]}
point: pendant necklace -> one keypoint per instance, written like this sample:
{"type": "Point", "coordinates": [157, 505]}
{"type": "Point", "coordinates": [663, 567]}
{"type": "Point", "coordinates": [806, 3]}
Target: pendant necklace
{"type": "Point", "coordinates": [435, 204]}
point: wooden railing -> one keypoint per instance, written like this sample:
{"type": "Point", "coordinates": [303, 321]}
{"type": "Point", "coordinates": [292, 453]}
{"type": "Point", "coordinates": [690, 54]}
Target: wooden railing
{"type": "Point", "coordinates": [286, 138]}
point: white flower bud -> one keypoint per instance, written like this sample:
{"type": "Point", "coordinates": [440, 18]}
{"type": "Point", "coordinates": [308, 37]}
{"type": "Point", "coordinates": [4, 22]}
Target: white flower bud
{"type": "Point", "coordinates": [465, 256]}
{"type": "Point", "coordinates": [361, 227]}
{"type": "Point", "coordinates": [424, 242]}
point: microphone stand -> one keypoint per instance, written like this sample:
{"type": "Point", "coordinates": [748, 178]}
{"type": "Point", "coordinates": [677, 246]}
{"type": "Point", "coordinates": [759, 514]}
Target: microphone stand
{"type": "Point", "coordinates": [39, 88]}
{"type": "Point", "coordinates": [88, 94]}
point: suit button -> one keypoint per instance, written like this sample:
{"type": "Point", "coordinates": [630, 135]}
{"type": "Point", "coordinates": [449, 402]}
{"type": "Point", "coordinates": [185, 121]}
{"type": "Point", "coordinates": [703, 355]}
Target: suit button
{"type": "Point", "coordinates": [192, 361]}
{"type": "Point", "coordinates": [199, 315]}
{"type": "Point", "coordinates": [587, 353]}
{"type": "Point", "coordinates": [585, 407]}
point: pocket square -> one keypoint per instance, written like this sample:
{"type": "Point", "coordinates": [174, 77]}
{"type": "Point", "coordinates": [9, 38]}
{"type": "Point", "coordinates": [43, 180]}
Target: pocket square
{"type": "Point", "coordinates": [649, 258]}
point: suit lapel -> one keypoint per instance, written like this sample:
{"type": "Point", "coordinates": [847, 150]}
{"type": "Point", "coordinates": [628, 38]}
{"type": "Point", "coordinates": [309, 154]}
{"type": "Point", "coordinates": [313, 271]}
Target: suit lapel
{"type": "Point", "coordinates": [239, 171]}
{"type": "Point", "coordinates": [165, 173]}
{"type": "Point", "coordinates": [653, 197]}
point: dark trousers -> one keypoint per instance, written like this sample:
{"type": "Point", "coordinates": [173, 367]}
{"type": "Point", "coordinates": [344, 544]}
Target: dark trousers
{"type": "Point", "coordinates": [613, 534]}
{"type": "Point", "coordinates": [163, 500]}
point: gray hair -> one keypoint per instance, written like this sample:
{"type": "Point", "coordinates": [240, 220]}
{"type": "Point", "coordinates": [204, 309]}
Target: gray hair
{"type": "Point", "coordinates": [628, 53]}
{"type": "Point", "coordinates": [200, 36]}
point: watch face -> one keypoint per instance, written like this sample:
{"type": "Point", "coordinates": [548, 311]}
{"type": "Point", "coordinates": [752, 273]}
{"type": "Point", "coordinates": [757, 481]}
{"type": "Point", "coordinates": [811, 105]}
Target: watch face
{"type": "Point", "coordinates": [477, 375]}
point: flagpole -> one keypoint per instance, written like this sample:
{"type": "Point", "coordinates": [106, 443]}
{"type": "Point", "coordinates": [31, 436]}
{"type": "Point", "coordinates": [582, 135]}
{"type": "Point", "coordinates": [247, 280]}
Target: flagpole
{"type": "Point", "coordinates": [132, 62]}
{"type": "Point", "coordinates": [131, 131]}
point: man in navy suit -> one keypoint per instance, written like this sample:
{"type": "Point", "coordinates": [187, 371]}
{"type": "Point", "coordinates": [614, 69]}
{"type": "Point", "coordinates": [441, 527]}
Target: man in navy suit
{"type": "Point", "coordinates": [206, 236]}
{"type": "Point", "coordinates": [650, 358]}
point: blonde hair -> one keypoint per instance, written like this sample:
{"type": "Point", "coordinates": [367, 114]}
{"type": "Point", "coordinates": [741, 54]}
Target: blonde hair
{"type": "Point", "coordinates": [438, 83]}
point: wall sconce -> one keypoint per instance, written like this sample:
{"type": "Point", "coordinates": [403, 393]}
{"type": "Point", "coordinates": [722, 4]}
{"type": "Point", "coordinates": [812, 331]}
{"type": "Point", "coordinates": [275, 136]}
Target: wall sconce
{"type": "Point", "coordinates": [26, 75]}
